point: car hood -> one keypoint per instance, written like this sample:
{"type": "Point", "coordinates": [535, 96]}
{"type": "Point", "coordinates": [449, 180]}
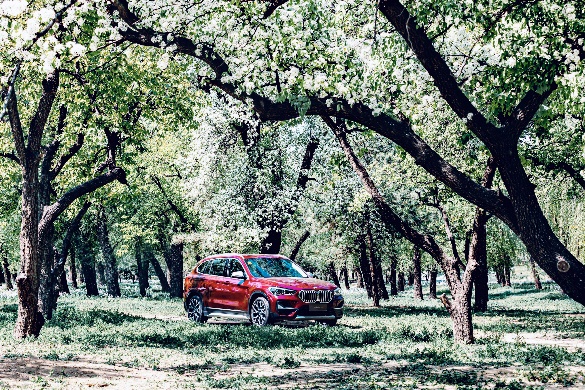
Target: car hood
{"type": "Point", "coordinates": [301, 283]}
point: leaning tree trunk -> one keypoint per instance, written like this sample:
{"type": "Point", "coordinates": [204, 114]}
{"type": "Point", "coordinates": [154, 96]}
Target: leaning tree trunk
{"type": "Point", "coordinates": [416, 262]}
{"type": "Point", "coordinates": [393, 286]}
{"type": "Point", "coordinates": [142, 266]}
{"type": "Point", "coordinates": [433, 285]}
{"type": "Point", "coordinates": [300, 242]}
{"type": "Point", "coordinates": [535, 276]}
{"type": "Point", "coordinates": [110, 266]}
{"type": "Point", "coordinates": [174, 260]}
{"type": "Point", "coordinates": [7, 274]}
{"type": "Point", "coordinates": [151, 258]}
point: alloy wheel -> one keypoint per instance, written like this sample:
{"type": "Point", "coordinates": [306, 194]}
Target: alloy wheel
{"type": "Point", "coordinates": [259, 312]}
{"type": "Point", "coordinates": [195, 309]}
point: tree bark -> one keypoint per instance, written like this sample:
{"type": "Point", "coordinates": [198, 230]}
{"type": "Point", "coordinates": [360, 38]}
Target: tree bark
{"type": "Point", "coordinates": [85, 253]}
{"type": "Point", "coordinates": [393, 286]}
{"type": "Point", "coordinates": [410, 278]}
{"type": "Point", "coordinates": [110, 266]}
{"type": "Point", "coordinates": [535, 276]}
{"type": "Point", "coordinates": [63, 287]}
{"type": "Point", "coordinates": [433, 285]}
{"type": "Point", "coordinates": [416, 262]}
{"type": "Point", "coordinates": [365, 266]}
{"type": "Point", "coordinates": [300, 242]}
{"type": "Point", "coordinates": [359, 278]}
{"type": "Point", "coordinates": [507, 271]}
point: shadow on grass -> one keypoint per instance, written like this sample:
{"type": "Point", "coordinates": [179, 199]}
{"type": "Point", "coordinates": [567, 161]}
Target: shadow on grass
{"type": "Point", "coordinates": [394, 311]}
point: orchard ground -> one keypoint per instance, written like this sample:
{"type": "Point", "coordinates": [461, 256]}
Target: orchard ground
{"type": "Point", "coordinates": [527, 339]}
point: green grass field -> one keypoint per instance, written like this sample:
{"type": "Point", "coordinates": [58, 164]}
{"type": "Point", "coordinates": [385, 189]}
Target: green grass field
{"type": "Point", "coordinates": [528, 339]}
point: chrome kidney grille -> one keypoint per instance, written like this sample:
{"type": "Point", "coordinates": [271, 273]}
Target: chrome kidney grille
{"type": "Point", "coordinates": [314, 296]}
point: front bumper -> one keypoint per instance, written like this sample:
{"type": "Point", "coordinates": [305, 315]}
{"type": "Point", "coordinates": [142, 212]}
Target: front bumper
{"type": "Point", "coordinates": [291, 308]}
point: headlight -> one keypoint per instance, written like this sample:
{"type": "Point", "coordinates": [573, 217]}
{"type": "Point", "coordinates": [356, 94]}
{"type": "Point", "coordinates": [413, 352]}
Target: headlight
{"type": "Point", "coordinates": [337, 292]}
{"type": "Point", "coordinates": [277, 291]}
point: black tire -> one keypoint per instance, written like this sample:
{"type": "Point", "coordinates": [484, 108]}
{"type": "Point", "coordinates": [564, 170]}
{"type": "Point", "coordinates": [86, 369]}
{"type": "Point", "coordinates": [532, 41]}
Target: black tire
{"type": "Point", "coordinates": [260, 311]}
{"type": "Point", "coordinates": [328, 322]}
{"type": "Point", "coordinates": [195, 309]}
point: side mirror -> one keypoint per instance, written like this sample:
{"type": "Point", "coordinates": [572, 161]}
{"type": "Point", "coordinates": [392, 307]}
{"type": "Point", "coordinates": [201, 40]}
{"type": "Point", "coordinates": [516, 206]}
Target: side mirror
{"type": "Point", "coordinates": [238, 275]}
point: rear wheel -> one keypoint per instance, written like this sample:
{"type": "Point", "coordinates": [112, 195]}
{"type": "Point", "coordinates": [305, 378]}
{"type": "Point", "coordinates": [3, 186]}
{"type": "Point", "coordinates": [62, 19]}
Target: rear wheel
{"type": "Point", "coordinates": [260, 312]}
{"type": "Point", "coordinates": [195, 309]}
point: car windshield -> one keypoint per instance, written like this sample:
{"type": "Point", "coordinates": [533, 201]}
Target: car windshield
{"type": "Point", "coordinates": [274, 267]}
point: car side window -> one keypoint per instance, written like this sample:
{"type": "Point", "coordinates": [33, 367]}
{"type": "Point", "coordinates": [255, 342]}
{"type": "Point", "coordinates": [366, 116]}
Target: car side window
{"type": "Point", "coordinates": [204, 267]}
{"type": "Point", "coordinates": [217, 267]}
{"type": "Point", "coordinates": [233, 265]}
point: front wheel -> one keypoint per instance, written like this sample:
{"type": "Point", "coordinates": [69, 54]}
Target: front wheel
{"type": "Point", "coordinates": [260, 312]}
{"type": "Point", "coordinates": [195, 309]}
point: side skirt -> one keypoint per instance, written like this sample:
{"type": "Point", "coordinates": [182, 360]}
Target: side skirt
{"type": "Point", "coordinates": [226, 313]}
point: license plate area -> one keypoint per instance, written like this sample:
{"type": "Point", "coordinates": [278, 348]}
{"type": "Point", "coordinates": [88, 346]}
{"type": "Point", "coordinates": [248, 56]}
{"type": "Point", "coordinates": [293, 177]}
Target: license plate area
{"type": "Point", "coordinates": [317, 307]}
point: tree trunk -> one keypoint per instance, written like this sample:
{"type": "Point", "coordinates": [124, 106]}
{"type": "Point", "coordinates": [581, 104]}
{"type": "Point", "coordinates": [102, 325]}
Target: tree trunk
{"type": "Point", "coordinates": [416, 261]}
{"type": "Point", "coordinates": [101, 273]}
{"type": "Point", "coordinates": [72, 268]}
{"type": "Point", "coordinates": [298, 245]}
{"type": "Point", "coordinates": [393, 286]}
{"type": "Point", "coordinates": [142, 267]}
{"type": "Point", "coordinates": [401, 281]}
{"type": "Point", "coordinates": [365, 266]}
{"type": "Point", "coordinates": [507, 281]}
{"type": "Point", "coordinates": [378, 287]}
{"type": "Point", "coordinates": [29, 320]}
{"type": "Point", "coordinates": [359, 278]}
{"type": "Point", "coordinates": [333, 273]}
{"type": "Point", "coordinates": [272, 242]}
{"type": "Point", "coordinates": [433, 285]}
{"type": "Point", "coordinates": [460, 311]}
{"type": "Point", "coordinates": [345, 276]}
{"type": "Point", "coordinates": [85, 254]}
{"type": "Point", "coordinates": [410, 278]}
{"type": "Point", "coordinates": [7, 274]}
{"type": "Point", "coordinates": [110, 266]}
{"type": "Point", "coordinates": [535, 276]}
{"type": "Point", "coordinates": [151, 258]}
{"type": "Point", "coordinates": [2, 279]}
{"type": "Point", "coordinates": [63, 287]}
{"type": "Point", "coordinates": [174, 260]}
{"type": "Point", "coordinates": [478, 253]}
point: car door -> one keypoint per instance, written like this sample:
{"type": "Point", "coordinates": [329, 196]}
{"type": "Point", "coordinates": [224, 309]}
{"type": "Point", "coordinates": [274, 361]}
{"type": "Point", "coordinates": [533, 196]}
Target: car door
{"type": "Point", "coordinates": [214, 284]}
{"type": "Point", "coordinates": [236, 286]}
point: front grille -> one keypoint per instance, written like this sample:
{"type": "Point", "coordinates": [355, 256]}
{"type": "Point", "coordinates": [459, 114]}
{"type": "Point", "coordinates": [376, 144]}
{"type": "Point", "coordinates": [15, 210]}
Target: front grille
{"type": "Point", "coordinates": [313, 296]}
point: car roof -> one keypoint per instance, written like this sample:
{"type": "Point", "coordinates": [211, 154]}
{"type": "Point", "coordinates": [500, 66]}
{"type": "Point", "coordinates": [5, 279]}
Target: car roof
{"type": "Point", "coordinates": [244, 255]}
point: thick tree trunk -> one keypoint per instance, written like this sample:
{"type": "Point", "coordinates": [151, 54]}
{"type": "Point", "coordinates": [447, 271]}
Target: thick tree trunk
{"type": "Point", "coordinates": [272, 242]}
{"type": "Point", "coordinates": [300, 242]}
{"type": "Point", "coordinates": [535, 276]}
{"type": "Point", "coordinates": [460, 311]}
{"type": "Point", "coordinates": [401, 281]}
{"type": "Point", "coordinates": [2, 279]}
{"type": "Point", "coordinates": [174, 260]}
{"type": "Point", "coordinates": [151, 258]}
{"type": "Point", "coordinates": [410, 278]}
{"type": "Point", "coordinates": [433, 285]}
{"type": "Point", "coordinates": [29, 320]}
{"type": "Point", "coordinates": [110, 266]}
{"type": "Point", "coordinates": [393, 286]}
{"type": "Point", "coordinates": [378, 287]}
{"type": "Point", "coordinates": [417, 282]}
{"type": "Point", "coordinates": [101, 273]}
{"type": "Point", "coordinates": [63, 287]}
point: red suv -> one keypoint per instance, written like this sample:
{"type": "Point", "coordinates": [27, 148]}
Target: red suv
{"type": "Point", "coordinates": [260, 288]}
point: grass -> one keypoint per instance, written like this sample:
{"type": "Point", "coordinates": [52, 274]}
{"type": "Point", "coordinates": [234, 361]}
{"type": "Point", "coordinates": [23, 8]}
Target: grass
{"type": "Point", "coordinates": [403, 344]}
